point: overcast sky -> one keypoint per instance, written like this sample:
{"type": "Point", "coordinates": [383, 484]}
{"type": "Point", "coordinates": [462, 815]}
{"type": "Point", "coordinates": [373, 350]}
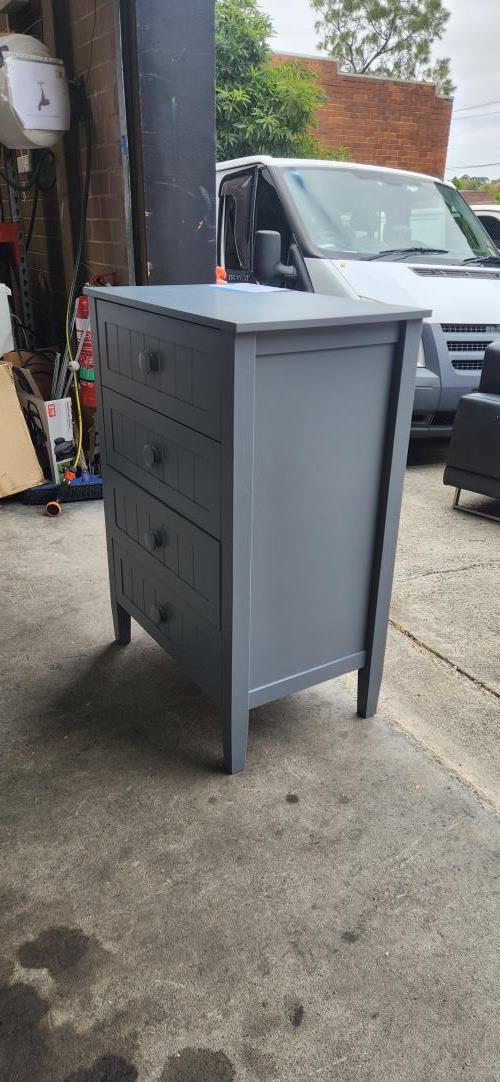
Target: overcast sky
{"type": "Point", "coordinates": [472, 41]}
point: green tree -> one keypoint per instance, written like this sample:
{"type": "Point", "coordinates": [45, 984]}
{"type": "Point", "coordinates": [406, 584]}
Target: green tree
{"type": "Point", "coordinates": [262, 108]}
{"type": "Point", "coordinates": [385, 37]}
{"type": "Point", "coordinates": [469, 183]}
{"type": "Point", "coordinates": [475, 184]}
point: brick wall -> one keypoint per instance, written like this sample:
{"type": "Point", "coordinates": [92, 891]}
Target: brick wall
{"type": "Point", "coordinates": [382, 121]}
{"type": "Point", "coordinates": [92, 50]}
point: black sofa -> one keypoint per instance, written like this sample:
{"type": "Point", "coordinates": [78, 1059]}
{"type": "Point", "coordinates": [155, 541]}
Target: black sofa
{"type": "Point", "coordinates": [474, 454]}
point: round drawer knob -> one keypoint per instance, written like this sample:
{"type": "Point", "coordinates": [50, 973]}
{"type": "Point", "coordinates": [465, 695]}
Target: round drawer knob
{"type": "Point", "coordinates": [158, 614]}
{"type": "Point", "coordinates": [148, 362]}
{"type": "Point", "coordinates": [153, 539]}
{"type": "Point", "coordinates": [151, 455]}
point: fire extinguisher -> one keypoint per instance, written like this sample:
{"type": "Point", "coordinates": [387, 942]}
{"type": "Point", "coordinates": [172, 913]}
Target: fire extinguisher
{"type": "Point", "coordinates": [87, 370]}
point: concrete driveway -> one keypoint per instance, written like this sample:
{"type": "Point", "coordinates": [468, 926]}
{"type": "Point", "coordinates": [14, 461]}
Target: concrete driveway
{"type": "Point", "coordinates": [332, 914]}
{"type": "Point", "coordinates": [442, 677]}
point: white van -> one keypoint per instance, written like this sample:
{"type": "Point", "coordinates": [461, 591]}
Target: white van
{"type": "Point", "coordinates": [363, 231]}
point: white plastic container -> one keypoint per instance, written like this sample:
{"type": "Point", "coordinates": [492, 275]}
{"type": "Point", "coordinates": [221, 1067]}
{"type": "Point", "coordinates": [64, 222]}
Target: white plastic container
{"type": "Point", "coordinates": [6, 337]}
{"type": "Point", "coordinates": [34, 98]}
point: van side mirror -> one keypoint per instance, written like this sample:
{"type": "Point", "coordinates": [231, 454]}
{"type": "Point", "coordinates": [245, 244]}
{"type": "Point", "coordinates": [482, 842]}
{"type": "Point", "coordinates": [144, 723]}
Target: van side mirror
{"type": "Point", "coordinates": [268, 268]}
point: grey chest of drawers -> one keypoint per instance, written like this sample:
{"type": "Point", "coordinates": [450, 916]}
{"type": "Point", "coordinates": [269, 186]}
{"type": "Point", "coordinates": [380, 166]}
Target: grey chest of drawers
{"type": "Point", "coordinates": [254, 447]}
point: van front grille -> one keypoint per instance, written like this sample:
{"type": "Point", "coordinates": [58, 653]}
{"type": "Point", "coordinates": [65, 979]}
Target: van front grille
{"type": "Point", "coordinates": [471, 328]}
{"type": "Point", "coordinates": [468, 365]}
{"type": "Point", "coordinates": [467, 347]}
{"type": "Point", "coordinates": [459, 272]}
{"type": "Point", "coordinates": [466, 351]}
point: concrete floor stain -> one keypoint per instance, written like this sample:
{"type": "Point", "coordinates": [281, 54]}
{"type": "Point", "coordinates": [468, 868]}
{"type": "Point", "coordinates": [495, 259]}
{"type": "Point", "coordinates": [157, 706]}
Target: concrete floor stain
{"type": "Point", "coordinates": [23, 1050]}
{"type": "Point", "coordinates": [55, 949]}
{"type": "Point", "coordinates": [350, 937]}
{"type": "Point", "coordinates": [30, 1050]}
{"type": "Point", "coordinates": [297, 1015]}
{"type": "Point", "coordinates": [105, 1069]}
{"type": "Point", "coordinates": [198, 1065]}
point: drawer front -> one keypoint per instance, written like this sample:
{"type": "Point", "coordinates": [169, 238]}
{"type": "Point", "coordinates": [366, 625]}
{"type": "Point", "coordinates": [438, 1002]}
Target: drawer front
{"type": "Point", "coordinates": [195, 645]}
{"type": "Point", "coordinates": [175, 464]}
{"type": "Point", "coordinates": [169, 365]}
{"type": "Point", "coordinates": [189, 557]}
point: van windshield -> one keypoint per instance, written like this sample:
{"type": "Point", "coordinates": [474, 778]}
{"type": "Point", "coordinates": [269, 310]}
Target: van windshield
{"type": "Point", "coordinates": [363, 214]}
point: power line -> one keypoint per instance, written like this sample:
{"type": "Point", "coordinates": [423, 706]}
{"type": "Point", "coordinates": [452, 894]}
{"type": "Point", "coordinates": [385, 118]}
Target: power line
{"type": "Point", "coordinates": [480, 165]}
{"type": "Point", "coordinates": [476, 116]}
{"type": "Point", "coordinates": [479, 105]}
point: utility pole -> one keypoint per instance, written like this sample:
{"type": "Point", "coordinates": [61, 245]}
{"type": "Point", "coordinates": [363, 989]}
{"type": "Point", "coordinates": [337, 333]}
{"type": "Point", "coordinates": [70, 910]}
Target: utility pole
{"type": "Point", "coordinates": [175, 127]}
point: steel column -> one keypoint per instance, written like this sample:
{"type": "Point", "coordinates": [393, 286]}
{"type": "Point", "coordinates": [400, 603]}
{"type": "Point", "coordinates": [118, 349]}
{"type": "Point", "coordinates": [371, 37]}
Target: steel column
{"type": "Point", "coordinates": [176, 76]}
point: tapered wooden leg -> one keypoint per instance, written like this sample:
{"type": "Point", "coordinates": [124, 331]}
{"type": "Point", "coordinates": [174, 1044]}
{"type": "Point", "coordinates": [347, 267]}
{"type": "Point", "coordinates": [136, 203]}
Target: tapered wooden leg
{"type": "Point", "coordinates": [235, 739]}
{"type": "Point", "coordinates": [122, 622]}
{"type": "Point", "coordinates": [386, 535]}
{"type": "Point", "coordinates": [369, 682]}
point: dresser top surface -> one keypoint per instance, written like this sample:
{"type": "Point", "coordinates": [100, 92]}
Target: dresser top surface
{"type": "Point", "coordinates": [242, 311]}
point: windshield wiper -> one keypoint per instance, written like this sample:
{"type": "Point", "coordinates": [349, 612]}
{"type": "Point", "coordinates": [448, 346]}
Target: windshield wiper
{"type": "Point", "coordinates": [483, 260]}
{"type": "Point", "coordinates": [409, 251]}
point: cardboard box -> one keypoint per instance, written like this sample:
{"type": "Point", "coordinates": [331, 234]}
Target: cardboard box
{"type": "Point", "coordinates": [19, 466]}
{"type": "Point", "coordinates": [50, 424]}
{"type": "Point", "coordinates": [38, 366]}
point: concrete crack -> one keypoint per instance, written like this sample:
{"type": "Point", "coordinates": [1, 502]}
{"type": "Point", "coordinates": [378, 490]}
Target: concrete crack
{"type": "Point", "coordinates": [446, 660]}
{"type": "Point", "coordinates": [451, 570]}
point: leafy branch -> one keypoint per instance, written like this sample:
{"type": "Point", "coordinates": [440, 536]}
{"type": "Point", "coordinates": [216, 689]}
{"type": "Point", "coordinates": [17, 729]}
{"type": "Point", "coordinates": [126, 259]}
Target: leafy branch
{"type": "Point", "coordinates": [387, 37]}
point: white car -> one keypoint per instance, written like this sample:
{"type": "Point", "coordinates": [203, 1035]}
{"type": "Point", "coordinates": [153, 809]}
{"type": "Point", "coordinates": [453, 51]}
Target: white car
{"type": "Point", "coordinates": [489, 216]}
{"type": "Point", "coordinates": [362, 231]}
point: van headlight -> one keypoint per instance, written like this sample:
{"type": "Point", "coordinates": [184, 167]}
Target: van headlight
{"type": "Point", "coordinates": [421, 356]}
